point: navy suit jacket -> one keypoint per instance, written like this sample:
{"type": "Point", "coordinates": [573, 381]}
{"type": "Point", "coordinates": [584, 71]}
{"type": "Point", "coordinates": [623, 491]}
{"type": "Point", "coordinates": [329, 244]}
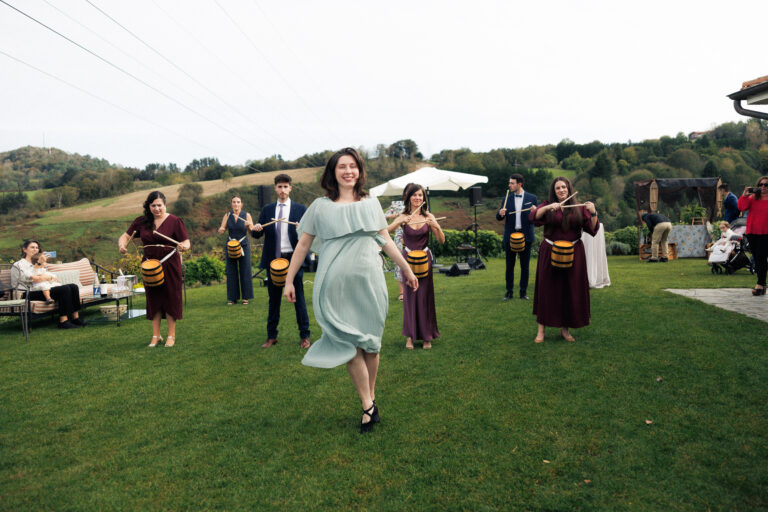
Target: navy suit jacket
{"type": "Point", "coordinates": [270, 232]}
{"type": "Point", "coordinates": [509, 224]}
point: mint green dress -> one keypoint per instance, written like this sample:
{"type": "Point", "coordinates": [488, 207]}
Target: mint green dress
{"type": "Point", "coordinates": [350, 294]}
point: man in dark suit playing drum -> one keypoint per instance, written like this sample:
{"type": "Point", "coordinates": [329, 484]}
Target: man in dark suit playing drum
{"type": "Point", "coordinates": [279, 241]}
{"type": "Point", "coordinates": [516, 221]}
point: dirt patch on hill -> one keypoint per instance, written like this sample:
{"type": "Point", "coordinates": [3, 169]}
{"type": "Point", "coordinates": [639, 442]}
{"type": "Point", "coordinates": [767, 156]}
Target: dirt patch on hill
{"type": "Point", "coordinates": [130, 204]}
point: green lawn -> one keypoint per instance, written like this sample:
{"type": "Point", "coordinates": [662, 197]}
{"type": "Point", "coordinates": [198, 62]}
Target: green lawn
{"type": "Point", "coordinates": [486, 420]}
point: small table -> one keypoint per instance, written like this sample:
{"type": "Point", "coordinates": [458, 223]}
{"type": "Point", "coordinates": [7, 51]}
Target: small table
{"type": "Point", "coordinates": [126, 296]}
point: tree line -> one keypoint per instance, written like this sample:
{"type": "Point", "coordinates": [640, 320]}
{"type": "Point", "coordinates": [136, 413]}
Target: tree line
{"type": "Point", "coordinates": [41, 178]}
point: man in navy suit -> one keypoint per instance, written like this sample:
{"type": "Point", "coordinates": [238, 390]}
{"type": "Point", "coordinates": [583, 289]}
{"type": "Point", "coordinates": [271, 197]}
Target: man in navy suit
{"type": "Point", "coordinates": [280, 240]}
{"type": "Point", "coordinates": [518, 222]}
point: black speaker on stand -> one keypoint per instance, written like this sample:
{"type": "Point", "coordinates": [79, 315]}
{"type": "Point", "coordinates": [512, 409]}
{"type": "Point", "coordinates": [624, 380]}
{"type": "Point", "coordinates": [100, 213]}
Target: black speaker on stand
{"type": "Point", "coordinates": [476, 199]}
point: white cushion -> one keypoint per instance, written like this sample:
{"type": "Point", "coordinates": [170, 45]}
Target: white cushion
{"type": "Point", "coordinates": [68, 276]}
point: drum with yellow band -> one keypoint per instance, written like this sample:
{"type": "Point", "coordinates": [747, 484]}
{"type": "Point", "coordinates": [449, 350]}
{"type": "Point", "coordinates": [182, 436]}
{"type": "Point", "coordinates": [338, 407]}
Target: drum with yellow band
{"type": "Point", "coordinates": [152, 273]}
{"type": "Point", "coordinates": [278, 269]}
{"type": "Point", "coordinates": [234, 249]}
{"type": "Point", "coordinates": [517, 242]}
{"type": "Point", "coordinates": [562, 254]}
{"type": "Point", "coordinates": [419, 263]}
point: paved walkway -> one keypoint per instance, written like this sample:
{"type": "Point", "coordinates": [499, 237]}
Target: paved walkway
{"type": "Point", "coordinates": [739, 300]}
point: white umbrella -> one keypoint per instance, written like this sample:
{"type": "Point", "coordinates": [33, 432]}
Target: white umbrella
{"type": "Point", "coordinates": [430, 178]}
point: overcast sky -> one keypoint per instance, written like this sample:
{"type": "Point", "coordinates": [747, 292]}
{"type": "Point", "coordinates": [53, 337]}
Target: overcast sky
{"type": "Point", "coordinates": [244, 79]}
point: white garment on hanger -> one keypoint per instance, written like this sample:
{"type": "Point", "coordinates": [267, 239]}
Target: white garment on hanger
{"type": "Point", "coordinates": [597, 261]}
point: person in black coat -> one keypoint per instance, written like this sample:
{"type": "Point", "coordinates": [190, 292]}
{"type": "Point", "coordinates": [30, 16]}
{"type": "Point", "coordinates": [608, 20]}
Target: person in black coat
{"type": "Point", "coordinates": [518, 222]}
{"type": "Point", "coordinates": [280, 239]}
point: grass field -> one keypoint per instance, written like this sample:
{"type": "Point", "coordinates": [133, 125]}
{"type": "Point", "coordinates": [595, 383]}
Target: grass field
{"type": "Point", "coordinates": [659, 405]}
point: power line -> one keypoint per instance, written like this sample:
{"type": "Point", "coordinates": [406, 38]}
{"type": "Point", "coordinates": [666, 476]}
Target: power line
{"type": "Point", "coordinates": [115, 105]}
{"type": "Point", "coordinates": [104, 39]}
{"type": "Point", "coordinates": [274, 68]}
{"type": "Point", "coordinates": [296, 56]}
{"type": "Point", "coordinates": [104, 100]}
{"type": "Point", "coordinates": [228, 68]}
{"type": "Point", "coordinates": [169, 61]}
{"type": "Point", "coordinates": [115, 66]}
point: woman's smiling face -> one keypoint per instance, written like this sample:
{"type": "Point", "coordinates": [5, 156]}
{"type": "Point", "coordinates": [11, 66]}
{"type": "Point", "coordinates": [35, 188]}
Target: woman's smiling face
{"type": "Point", "coordinates": [347, 172]}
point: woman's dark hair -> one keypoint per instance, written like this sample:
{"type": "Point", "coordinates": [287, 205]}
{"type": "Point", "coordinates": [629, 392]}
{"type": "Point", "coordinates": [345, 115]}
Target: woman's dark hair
{"type": "Point", "coordinates": [149, 219]}
{"type": "Point", "coordinates": [328, 180]}
{"type": "Point", "coordinates": [758, 190]}
{"type": "Point", "coordinates": [409, 190]}
{"type": "Point", "coordinates": [27, 243]}
{"type": "Point", "coordinates": [571, 216]}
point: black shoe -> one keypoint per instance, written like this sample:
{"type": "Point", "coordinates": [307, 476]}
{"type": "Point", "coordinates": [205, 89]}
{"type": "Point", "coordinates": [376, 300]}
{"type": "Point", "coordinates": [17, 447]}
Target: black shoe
{"type": "Point", "coordinates": [78, 322]}
{"type": "Point", "coordinates": [367, 427]}
{"type": "Point", "coordinates": [376, 418]}
{"type": "Point", "coordinates": [67, 325]}
{"type": "Point", "coordinates": [663, 260]}
{"type": "Point", "coordinates": [652, 260]}
{"type": "Point", "coordinates": [507, 296]}
{"type": "Point", "coordinates": [524, 296]}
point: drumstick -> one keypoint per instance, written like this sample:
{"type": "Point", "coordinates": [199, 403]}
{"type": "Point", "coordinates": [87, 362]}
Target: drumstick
{"type": "Point", "coordinates": [423, 221]}
{"type": "Point", "coordinates": [523, 210]}
{"type": "Point", "coordinates": [505, 200]}
{"type": "Point", "coordinates": [286, 221]}
{"type": "Point", "coordinates": [269, 223]}
{"type": "Point", "coordinates": [570, 196]}
{"type": "Point", "coordinates": [166, 237]}
{"type": "Point", "coordinates": [573, 205]}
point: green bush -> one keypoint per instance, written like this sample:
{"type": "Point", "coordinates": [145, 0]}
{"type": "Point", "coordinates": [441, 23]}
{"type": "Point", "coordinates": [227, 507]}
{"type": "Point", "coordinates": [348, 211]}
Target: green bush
{"type": "Point", "coordinates": [618, 249]}
{"type": "Point", "coordinates": [691, 211]}
{"type": "Point", "coordinates": [204, 270]}
{"type": "Point", "coordinates": [489, 242]}
{"type": "Point", "coordinates": [627, 235]}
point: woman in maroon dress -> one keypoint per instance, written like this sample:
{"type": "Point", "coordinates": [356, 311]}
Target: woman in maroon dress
{"type": "Point", "coordinates": [561, 297]}
{"type": "Point", "coordinates": [419, 318]}
{"type": "Point", "coordinates": [162, 301]}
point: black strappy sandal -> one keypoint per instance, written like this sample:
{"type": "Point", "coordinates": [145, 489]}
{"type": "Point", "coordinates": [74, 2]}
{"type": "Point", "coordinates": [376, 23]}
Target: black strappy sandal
{"type": "Point", "coordinates": [367, 427]}
{"type": "Point", "coordinates": [375, 418]}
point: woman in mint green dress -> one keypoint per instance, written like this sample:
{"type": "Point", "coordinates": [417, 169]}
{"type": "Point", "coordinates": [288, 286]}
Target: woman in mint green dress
{"type": "Point", "coordinates": [350, 294]}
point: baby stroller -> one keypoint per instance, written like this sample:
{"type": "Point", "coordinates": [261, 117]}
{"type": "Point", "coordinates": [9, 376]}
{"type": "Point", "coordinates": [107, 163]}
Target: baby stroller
{"type": "Point", "coordinates": [733, 254]}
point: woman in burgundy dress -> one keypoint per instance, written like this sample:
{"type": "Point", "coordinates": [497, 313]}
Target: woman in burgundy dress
{"type": "Point", "coordinates": [561, 297]}
{"type": "Point", "coordinates": [162, 301]}
{"type": "Point", "coordinates": [419, 318]}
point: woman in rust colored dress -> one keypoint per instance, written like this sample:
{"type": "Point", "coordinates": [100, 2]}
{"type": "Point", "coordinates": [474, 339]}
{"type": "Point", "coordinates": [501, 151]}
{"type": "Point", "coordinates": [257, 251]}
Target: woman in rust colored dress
{"type": "Point", "coordinates": [162, 301]}
{"type": "Point", "coordinates": [561, 298]}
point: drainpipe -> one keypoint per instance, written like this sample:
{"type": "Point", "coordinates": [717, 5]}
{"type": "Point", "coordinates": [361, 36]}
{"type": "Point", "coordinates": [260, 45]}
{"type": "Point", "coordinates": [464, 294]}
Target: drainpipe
{"type": "Point", "coordinates": [747, 112]}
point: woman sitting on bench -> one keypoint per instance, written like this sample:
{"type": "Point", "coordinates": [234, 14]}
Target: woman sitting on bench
{"type": "Point", "coordinates": [67, 295]}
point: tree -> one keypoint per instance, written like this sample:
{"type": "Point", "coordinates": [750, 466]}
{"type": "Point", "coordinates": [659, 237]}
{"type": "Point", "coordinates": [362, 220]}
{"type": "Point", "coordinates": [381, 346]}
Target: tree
{"type": "Point", "coordinates": [754, 135]}
{"type": "Point", "coordinates": [604, 167]}
{"type": "Point", "coordinates": [191, 191]}
{"type": "Point", "coordinates": [686, 159]}
{"type": "Point", "coordinates": [404, 149]}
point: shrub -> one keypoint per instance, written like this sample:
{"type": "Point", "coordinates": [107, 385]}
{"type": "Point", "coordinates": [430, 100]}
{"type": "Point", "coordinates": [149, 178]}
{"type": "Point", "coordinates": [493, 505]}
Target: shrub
{"type": "Point", "coordinates": [204, 269]}
{"type": "Point", "coordinates": [182, 206]}
{"type": "Point", "coordinates": [627, 235]}
{"type": "Point", "coordinates": [691, 211]}
{"type": "Point", "coordinates": [489, 242]}
{"type": "Point", "coordinates": [618, 248]}
{"type": "Point", "coordinates": [129, 263]}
